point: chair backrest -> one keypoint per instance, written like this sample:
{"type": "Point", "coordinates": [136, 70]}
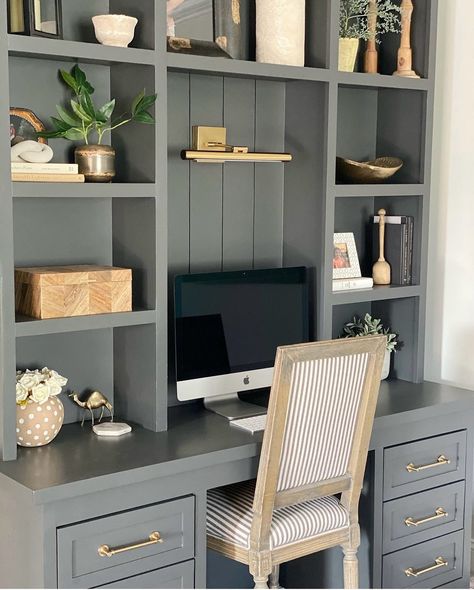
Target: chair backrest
{"type": "Point", "coordinates": [320, 417]}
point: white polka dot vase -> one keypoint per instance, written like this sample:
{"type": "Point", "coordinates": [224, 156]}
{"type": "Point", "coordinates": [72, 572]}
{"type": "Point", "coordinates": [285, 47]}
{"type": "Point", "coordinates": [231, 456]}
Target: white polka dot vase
{"type": "Point", "coordinates": [38, 424]}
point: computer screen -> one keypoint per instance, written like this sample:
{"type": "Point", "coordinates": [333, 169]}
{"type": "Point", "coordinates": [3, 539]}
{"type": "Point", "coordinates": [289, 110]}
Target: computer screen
{"type": "Point", "coordinates": [232, 322]}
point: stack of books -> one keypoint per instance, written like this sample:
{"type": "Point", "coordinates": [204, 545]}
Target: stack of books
{"type": "Point", "coordinates": [353, 284]}
{"type": "Point", "coordinates": [398, 246]}
{"type": "Point", "coordinates": [49, 172]}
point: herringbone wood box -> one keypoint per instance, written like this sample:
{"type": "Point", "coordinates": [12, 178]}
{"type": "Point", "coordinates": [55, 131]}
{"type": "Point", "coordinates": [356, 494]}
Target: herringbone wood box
{"type": "Point", "coordinates": [63, 291]}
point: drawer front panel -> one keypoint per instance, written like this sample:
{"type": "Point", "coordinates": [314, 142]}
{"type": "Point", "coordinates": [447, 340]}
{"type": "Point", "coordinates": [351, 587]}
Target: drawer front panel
{"type": "Point", "coordinates": [123, 544]}
{"type": "Point", "coordinates": [174, 576]}
{"type": "Point", "coordinates": [428, 565]}
{"type": "Point", "coordinates": [423, 516]}
{"type": "Point", "coordinates": [424, 464]}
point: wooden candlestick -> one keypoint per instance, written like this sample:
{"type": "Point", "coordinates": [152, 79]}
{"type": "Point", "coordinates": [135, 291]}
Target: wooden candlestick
{"type": "Point", "coordinates": [371, 56]}
{"type": "Point", "coordinates": [381, 269]}
{"type": "Point", "coordinates": [404, 60]}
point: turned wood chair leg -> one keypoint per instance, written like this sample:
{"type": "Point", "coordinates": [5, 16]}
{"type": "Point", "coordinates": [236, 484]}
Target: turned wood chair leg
{"type": "Point", "coordinates": [351, 568]}
{"type": "Point", "coordinates": [274, 581]}
{"type": "Point", "coordinates": [260, 581]}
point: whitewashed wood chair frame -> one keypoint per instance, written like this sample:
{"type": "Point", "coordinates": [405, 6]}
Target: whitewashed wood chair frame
{"type": "Point", "coordinates": [263, 559]}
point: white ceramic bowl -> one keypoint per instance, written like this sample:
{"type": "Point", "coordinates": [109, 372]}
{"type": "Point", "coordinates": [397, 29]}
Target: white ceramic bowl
{"type": "Point", "coordinates": [114, 29]}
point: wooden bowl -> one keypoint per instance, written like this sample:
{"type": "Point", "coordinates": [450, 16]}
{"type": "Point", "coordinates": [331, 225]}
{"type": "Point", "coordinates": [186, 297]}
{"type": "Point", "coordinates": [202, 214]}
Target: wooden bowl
{"type": "Point", "coordinates": [374, 171]}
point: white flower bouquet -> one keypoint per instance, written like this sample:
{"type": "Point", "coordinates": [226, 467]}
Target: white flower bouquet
{"type": "Point", "coordinates": [38, 385]}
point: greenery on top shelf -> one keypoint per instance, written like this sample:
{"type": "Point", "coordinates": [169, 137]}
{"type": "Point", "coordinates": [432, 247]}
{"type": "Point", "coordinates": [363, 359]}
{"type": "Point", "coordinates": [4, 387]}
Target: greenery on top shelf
{"type": "Point", "coordinates": [354, 19]}
{"type": "Point", "coordinates": [85, 118]}
{"type": "Point", "coordinates": [369, 326]}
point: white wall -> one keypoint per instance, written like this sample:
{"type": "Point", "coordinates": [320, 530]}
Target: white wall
{"type": "Point", "coordinates": [450, 305]}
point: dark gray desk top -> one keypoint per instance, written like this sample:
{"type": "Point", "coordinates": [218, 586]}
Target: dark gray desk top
{"type": "Point", "coordinates": [80, 462]}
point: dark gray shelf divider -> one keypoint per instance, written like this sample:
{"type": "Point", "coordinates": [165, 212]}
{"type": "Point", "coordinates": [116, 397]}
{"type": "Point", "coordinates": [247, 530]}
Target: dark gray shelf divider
{"type": "Point", "coordinates": [219, 217]}
{"type": "Point", "coordinates": [31, 327]}
{"type": "Point", "coordinates": [40, 48]}
{"type": "Point", "coordinates": [378, 190]}
{"type": "Point", "coordinates": [379, 293]}
{"type": "Point", "coordinates": [60, 190]}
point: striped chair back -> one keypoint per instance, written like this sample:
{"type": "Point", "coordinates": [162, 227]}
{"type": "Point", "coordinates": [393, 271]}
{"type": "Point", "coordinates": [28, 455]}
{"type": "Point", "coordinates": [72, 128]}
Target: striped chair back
{"type": "Point", "coordinates": [319, 423]}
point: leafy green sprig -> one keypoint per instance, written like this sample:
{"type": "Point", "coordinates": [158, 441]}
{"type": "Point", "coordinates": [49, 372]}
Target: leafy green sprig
{"type": "Point", "coordinates": [369, 326]}
{"type": "Point", "coordinates": [354, 19]}
{"type": "Point", "coordinates": [84, 118]}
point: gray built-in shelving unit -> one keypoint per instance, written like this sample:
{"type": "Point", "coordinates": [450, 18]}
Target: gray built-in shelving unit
{"type": "Point", "coordinates": [165, 216]}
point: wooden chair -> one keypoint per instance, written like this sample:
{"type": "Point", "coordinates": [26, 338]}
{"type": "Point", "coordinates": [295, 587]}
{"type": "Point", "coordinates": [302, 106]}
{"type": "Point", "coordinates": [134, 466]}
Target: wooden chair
{"type": "Point", "coordinates": [319, 422]}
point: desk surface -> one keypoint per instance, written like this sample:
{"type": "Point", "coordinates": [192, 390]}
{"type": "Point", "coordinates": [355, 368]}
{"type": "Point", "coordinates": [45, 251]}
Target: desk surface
{"type": "Point", "coordinates": [79, 462]}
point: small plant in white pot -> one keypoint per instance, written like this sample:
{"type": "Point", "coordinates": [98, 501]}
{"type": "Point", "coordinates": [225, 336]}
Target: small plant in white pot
{"type": "Point", "coordinates": [39, 411]}
{"type": "Point", "coordinates": [369, 326]}
{"type": "Point", "coordinates": [355, 24]}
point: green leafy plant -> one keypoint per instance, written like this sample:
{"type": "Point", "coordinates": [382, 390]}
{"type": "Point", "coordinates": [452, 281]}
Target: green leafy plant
{"type": "Point", "coordinates": [84, 118]}
{"type": "Point", "coordinates": [369, 326]}
{"type": "Point", "coordinates": [354, 19]}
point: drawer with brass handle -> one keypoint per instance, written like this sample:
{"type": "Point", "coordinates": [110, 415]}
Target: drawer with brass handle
{"type": "Point", "coordinates": [424, 464]}
{"type": "Point", "coordinates": [420, 517]}
{"type": "Point", "coordinates": [427, 565]}
{"type": "Point", "coordinates": [116, 546]}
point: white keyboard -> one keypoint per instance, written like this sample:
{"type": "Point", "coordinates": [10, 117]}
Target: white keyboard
{"type": "Point", "coordinates": [251, 424]}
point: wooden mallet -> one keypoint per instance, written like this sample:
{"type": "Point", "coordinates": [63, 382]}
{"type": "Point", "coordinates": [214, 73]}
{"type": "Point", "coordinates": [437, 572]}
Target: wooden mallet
{"type": "Point", "coordinates": [371, 55]}
{"type": "Point", "coordinates": [381, 269]}
{"type": "Point", "coordinates": [404, 57]}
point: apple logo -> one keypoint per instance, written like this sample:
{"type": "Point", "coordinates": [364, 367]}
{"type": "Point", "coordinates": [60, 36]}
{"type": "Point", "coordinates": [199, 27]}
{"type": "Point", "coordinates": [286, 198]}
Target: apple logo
{"type": "Point", "coordinates": [246, 380]}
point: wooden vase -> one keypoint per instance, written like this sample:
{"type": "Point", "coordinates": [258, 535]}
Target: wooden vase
{"type": "Point", "coordinates": [371, 55]}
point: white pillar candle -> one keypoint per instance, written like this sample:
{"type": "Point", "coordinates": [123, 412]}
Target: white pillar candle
{"type": "Point", "coordinates": [280, 31]}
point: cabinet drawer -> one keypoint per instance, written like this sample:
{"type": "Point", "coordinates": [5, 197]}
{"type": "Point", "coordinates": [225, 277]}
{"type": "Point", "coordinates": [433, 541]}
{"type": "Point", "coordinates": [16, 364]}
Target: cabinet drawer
{"type": "Point", "coordinates": [173, 576]}
{"type": "Point", "coordinates": [121, 545]}
{"type": "Point", "coordinates": [427, 565]}
{"type": "Point", "coordinates": [424, 464]}
{"type": "Point", "coordinates": [422, 516]}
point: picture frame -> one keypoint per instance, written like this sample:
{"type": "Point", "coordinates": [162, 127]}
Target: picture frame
{"type": "Point", "coordinates": [24, 125]}
{"type": "Point", "coordinates": [36, 18]}
{"type": "Point", "coordinates": [212, 28]}
{"type": "Point", "coordinates": [345, 262]}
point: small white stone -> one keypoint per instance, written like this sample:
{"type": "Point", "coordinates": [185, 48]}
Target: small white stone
{"type": "Point", "coordinates": [48, 408]}
{"type": "Point", "coordinates": [36, 437]}
{"type": "Point", "coordinates": [28, 444]}
{"type": "Point", "coordinates": [18, 430]}
{"type": "Point", "coordinates": [39, 409]}
{"type": "Point", "coordinates": [46, 419]}
{"type": "Point", "coordinates": [55, 413]}
{"type": "Point", "coordinates": [31, 416]}
{"type": "Point", "coordinates": [21, 421]}
{"type": "Point", "coordinates": [46, 438]}
{"type": "Point", "coordinates": [20, 438]}
{"type": "Point", "coordinates": [28, 432]}
{"type": "Point", "coordinates": [37, 426]}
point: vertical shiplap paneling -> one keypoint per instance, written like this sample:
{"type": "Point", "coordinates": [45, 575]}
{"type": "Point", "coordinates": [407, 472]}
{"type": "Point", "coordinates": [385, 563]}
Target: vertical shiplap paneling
{"type": "Point", "coordinates": [178, 173]}
{"type": "Point", "coordinates": [238, 178]}
{"type": "Point", "coordinates": [205, 191]}
{"type": "Point", "coordinates": [269, 189]}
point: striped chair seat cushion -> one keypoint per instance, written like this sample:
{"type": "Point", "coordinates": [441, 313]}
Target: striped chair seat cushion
{"type": "Point", "coordinates": [229, 517]}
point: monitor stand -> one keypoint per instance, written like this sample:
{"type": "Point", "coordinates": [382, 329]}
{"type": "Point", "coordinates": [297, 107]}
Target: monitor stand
{"type": "Point", "coordinates": [231, 406]}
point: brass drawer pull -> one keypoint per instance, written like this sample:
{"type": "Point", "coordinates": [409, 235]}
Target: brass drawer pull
{"type": "Point", "coordinates": [106, 551]}
{"type": "Point", "coordinates": [441, 460]}
{"type": "Point", "coordinates": [439, 562]}
{"type": "Point", "coordinates": [439, 513]}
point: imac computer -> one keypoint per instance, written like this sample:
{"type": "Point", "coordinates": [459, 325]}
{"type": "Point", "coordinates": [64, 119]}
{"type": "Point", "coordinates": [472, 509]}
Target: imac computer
{"type": "Point", "coordinates": [228, 327]}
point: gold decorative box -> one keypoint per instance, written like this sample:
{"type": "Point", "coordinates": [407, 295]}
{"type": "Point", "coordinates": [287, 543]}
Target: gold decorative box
{"type": "Point", "coordinates": [45, 292]}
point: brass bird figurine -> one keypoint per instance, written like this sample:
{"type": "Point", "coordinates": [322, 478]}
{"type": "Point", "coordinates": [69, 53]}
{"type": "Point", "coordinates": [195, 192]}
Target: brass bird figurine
{"type": "Point", "coordinates": [92, 402]}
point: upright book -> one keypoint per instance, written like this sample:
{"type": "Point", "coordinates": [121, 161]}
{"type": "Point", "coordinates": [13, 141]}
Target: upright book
{"type": "Point", "coordinates": [398, 246]}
